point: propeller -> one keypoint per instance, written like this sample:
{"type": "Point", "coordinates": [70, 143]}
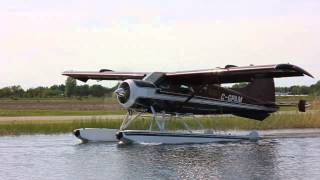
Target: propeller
{"type": "Point", "coordinates": [120, 92]}
{"type": "Point", "coordinates": [123, 92]}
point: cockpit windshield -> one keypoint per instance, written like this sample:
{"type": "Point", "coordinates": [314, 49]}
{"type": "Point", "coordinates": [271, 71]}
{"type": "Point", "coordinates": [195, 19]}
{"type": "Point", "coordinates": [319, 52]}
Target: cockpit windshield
{"type": "Point", "coordinates": [154, 77]}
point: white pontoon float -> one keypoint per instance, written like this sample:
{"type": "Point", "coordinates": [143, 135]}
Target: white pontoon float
{"type": "Point", "coordinates": [161, 135]}
{"type": "Point", "coordinates": [96, 134]}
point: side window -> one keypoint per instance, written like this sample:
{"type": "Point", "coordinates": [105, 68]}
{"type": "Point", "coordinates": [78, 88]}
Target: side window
{"type": "Point", "coordinates": [176, 88]}
{"type": "Point", "coordinates": [185, 89]}
{"type": "Point", "coordinates": [213, 91]}
{"type": "Point", "coordinates": [154, 77]}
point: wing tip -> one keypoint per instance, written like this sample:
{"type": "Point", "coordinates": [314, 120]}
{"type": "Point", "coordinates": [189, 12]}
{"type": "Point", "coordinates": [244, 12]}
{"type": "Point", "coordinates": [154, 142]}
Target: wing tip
{"type": "Point", "coordinates": [105, 70]}
{"type": "Point", "coordinates": [70, 74]}
{"type": "Point", "coordinates": [65, 73]}
{"type": "Point", "coordinates": [293, 67]}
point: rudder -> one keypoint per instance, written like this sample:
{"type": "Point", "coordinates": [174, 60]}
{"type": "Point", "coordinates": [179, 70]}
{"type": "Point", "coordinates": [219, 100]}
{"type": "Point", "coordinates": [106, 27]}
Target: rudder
{"type": "Point", "coordinates": [261, 89]}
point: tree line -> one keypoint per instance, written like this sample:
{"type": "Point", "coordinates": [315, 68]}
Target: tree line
{"type": "Point", "coordinates": [300, 90]}
{"type": "Point", "coordinates": [313, 90]}
{"type": "Point", "coordinates": [69, 89]}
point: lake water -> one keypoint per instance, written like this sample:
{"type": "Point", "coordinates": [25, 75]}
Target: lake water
{"type": "Point", "coordinates": [39, 157]}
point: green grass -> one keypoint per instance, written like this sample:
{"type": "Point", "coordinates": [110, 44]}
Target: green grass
{"type": "Point", "coordinates": [51, 127]}
{"type": "Point", "coordinates": [275, 121]}
{"type": "Point", "coordinates": [295, 98]}
{"type": "Point", "coordinates": [57, 112]}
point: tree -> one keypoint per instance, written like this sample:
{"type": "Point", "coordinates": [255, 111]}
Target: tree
{"type": "Point", "coordinates": [315, 89]}
{"type": "Point", "coordinates": [294, 90]}
{"type": "Point", "coordinates": [70, 87]}
{"type": "Point", "coordinates": [97, 90]}
{"type": "Point", "coordinates": [60, 87]}
{"type": "Point", "coordinates": [58, 90]}
{"type": "Point", "coordinates": [304, 90]}
{"type": "Point", "coordinates": [17, 91]}
{"type": "Point", "coordinates": [239, 85]}
{"type": "Point", "coordinates": [34, 92]}
{"type": "Point", "coordinates": [82, 90]}
{"type": "Point", "coordinates": [5, 92]}
{"type": "Point", "coordinates": [12, 91]}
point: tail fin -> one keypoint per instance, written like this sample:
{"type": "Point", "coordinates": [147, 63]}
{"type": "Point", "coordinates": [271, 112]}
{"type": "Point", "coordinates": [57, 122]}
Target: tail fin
{"type": "Point", "coordinates": [260, 89]}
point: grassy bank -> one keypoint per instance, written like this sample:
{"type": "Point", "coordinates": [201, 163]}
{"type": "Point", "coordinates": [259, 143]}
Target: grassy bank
{"type": "Point", "coordinates": [275, 121]}
{"type": "Point", "coordinates": [107, 106]}
{"type": "Point", "coordinates": [59, 107]}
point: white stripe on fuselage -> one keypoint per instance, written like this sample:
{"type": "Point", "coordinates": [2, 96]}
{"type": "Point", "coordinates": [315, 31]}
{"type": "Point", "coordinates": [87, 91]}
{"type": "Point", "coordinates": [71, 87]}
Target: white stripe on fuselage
{"type": "Point", "coordinates": [210, 102]}
{"type": "Point", "coordinates": [151, 93]}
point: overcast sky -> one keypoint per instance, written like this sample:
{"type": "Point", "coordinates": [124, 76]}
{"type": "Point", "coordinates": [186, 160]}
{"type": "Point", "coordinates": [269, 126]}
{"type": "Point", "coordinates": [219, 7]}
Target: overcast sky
{"type": "Point", "coordinates": [39, 39]}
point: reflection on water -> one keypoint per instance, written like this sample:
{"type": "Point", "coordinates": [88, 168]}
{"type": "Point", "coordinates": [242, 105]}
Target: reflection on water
{"type": "Point", "coordinates": [61, 157]}
{"type": "Point", "coordinates": [231, 161]}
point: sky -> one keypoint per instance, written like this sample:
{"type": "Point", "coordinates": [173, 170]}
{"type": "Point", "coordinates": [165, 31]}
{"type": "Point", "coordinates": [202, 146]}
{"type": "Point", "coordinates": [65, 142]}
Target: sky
{"type": "Point", "coordinates": [39, 39]}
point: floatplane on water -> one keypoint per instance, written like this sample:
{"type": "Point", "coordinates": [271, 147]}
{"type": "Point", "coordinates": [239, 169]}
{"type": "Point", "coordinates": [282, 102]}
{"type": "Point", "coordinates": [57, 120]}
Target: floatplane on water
{"type": "Point", "coordinates": [189, 93]}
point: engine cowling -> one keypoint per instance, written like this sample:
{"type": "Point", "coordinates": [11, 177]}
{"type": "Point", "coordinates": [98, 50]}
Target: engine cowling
{"type": "Point", "coordinates": [123, 92]}
{"type": "Point", "coordinates": [130, 90]}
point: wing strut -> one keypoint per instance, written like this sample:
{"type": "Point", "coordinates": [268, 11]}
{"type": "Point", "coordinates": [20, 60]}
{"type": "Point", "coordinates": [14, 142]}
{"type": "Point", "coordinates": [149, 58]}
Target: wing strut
{"type": "Point", "coordinates": [192, 95]}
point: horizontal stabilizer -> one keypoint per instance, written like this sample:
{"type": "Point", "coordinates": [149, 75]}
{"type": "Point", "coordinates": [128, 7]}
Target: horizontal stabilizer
{"type": "Point", "coordinates": [255, 116]}
{"type": "Point", "coordinates": [302, 105]}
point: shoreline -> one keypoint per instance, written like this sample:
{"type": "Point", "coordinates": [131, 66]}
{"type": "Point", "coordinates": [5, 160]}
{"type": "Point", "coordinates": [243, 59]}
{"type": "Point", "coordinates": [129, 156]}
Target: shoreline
{"type": "Point", "coordinates": [66, 124]}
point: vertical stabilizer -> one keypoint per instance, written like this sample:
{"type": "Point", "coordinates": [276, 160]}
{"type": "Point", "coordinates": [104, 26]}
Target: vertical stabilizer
{"type": "Point", "coordinates": [261, 89]}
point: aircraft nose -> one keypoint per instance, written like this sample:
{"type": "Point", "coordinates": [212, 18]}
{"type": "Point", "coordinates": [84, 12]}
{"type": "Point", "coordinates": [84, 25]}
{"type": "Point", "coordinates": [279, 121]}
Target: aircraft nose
{"type": "Point", "coordinates": [120, 92]}
{"type": "Point", "coordinates": [119, 135]}
{"type": "Point", "coordinates": [123, 92]}
{"type": "Point", "coordinates": [76, 133]}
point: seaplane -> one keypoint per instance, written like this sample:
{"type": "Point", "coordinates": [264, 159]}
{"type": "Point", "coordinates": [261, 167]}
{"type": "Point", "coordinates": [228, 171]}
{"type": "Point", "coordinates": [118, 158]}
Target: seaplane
{"type": "Point", "coordinates": [189, 93]}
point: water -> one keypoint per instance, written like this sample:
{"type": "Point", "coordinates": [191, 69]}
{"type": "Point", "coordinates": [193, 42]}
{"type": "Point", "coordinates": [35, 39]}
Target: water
{"type": "Point", "coordinates": [62, 157]}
